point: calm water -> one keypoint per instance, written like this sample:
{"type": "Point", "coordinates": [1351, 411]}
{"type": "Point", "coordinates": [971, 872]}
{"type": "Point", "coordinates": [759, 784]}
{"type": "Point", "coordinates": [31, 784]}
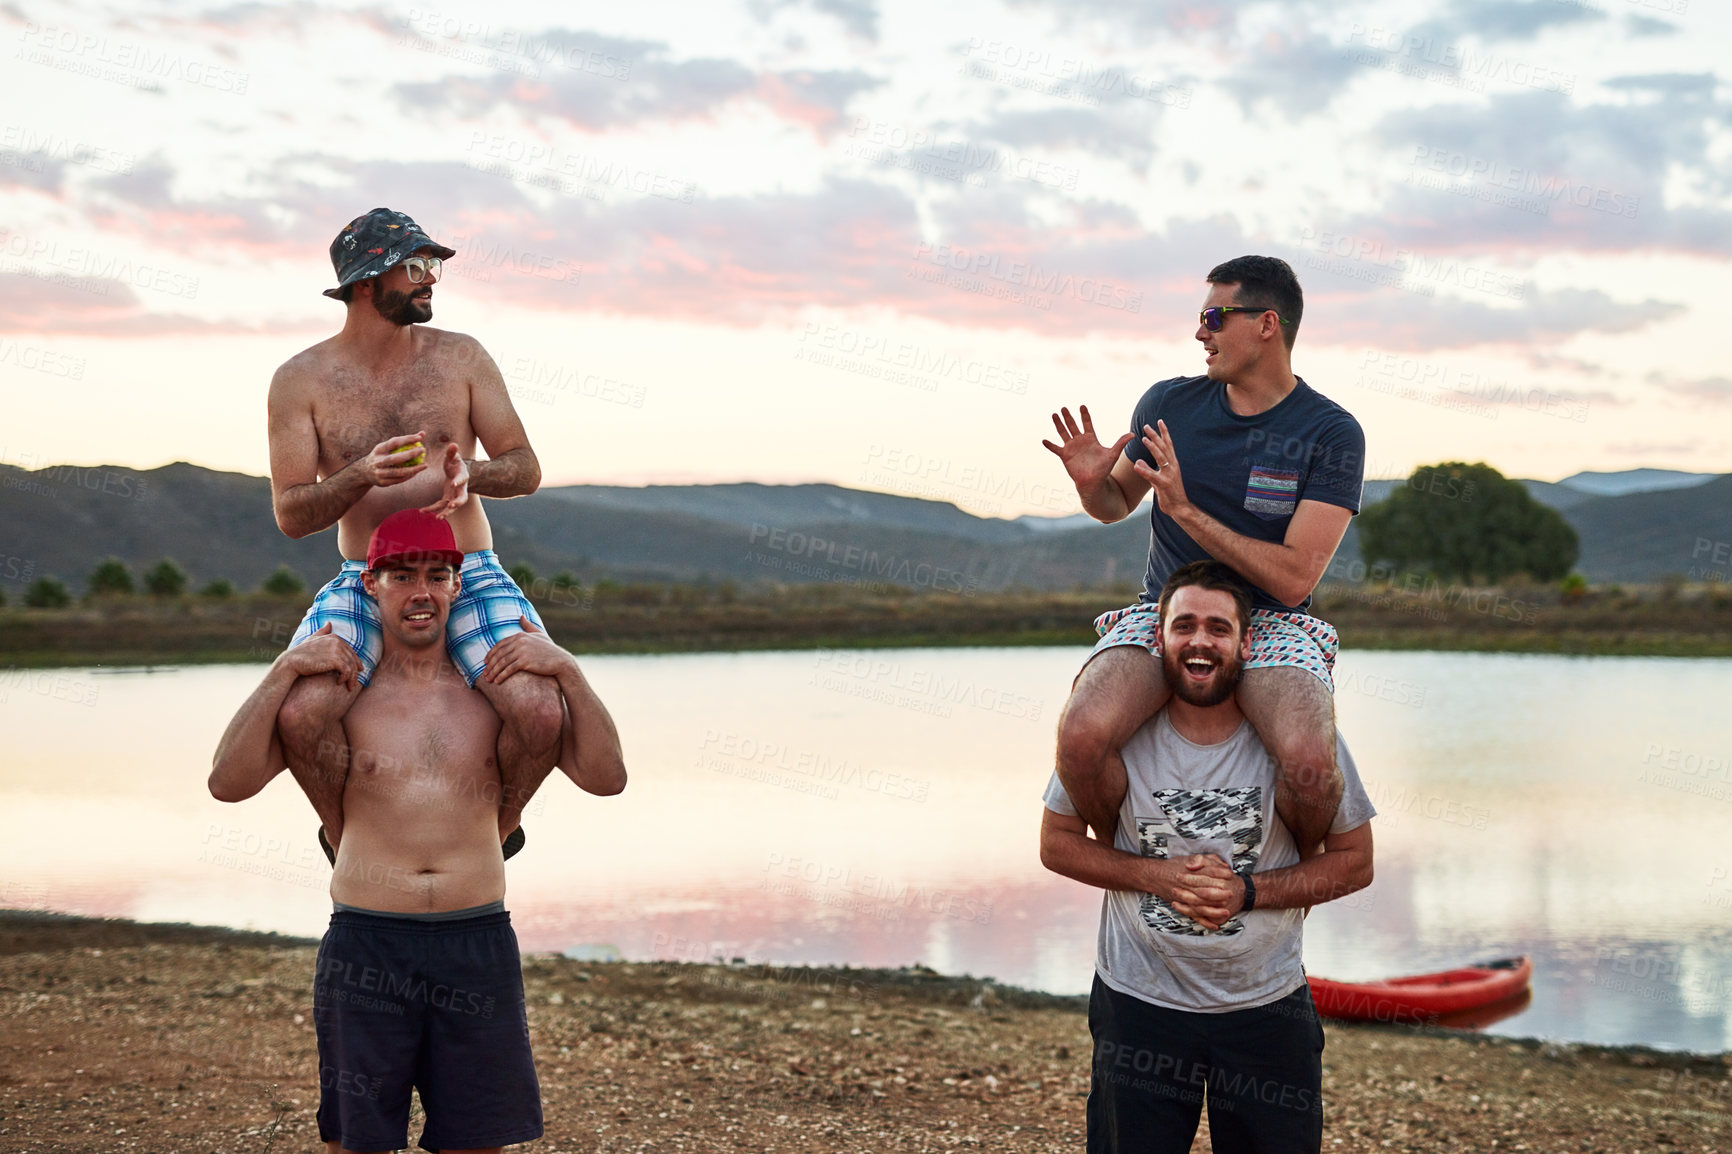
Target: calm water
{"type": "Point", "coordinates": [881, 808]}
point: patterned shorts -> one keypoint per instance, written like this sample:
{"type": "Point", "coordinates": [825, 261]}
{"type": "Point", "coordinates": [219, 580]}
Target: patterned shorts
{"type": "Point", "coordinates": [484, 614]}
{"type": "Point", "coordinates": [1296, 639]}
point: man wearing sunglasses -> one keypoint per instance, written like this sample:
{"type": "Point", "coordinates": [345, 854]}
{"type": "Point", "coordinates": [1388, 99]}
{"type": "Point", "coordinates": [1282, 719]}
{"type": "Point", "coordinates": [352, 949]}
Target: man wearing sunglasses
{"type": "Point", "coordinates": [1272, 475]}
{"type": "Point", "coordinates": [386, 416]}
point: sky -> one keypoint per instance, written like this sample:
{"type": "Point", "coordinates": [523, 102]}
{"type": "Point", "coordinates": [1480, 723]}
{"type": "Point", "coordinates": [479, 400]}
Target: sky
{"type": "Point", "coordinates": [877, 243]}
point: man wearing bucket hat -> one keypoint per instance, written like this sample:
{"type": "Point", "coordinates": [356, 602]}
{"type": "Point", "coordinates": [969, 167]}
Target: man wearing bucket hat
{"type": "Point", "coordinates": [418, 982]}
{"type": "Point", "coordinates": [385, 416]}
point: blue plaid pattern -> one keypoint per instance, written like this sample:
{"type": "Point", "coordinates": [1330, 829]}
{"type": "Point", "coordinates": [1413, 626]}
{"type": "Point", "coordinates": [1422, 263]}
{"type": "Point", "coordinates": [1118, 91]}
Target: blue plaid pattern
{"type": "Point", "coordinates": [485, 613]}
{"type": "Point", "coordinates": [1296, 639]}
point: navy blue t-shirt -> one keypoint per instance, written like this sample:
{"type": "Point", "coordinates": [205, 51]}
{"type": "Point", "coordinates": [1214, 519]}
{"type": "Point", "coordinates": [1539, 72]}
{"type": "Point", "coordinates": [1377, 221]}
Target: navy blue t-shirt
{"type": "Point", "coordinates": [1249, 473]}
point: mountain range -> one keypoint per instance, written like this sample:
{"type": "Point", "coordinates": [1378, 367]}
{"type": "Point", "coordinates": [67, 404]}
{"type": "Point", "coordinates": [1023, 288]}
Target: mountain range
{"type": "Point", "coordinates": [1635, 526]}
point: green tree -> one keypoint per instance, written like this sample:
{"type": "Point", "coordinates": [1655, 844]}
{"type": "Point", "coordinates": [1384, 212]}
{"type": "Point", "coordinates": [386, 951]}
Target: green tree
{"type": "Point", "coordinates": [285, 582]}
{"type": "Point", "coordinates": [166, 580]}
{"type": "Point", "coordinates": [220, 589]}
{"type": "Point", "coordinates": [47, 593]}
{"type": "Point", "coordinates": [111, 578]}
{"type": "Point", "coordinates": [1467, 523]}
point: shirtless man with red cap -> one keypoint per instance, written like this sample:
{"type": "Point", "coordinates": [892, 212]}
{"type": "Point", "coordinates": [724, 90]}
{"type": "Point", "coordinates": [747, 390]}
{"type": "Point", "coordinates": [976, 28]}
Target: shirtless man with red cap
{"type": "Point", "coordinates": [418, 981]}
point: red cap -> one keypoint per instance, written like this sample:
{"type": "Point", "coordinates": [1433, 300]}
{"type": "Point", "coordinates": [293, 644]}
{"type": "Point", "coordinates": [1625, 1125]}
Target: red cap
{"type": "Point", "coordinates": [413, 535]}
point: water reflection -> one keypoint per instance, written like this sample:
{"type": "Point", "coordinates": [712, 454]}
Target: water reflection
{"type": "Point", "coordinates": [881, 808]}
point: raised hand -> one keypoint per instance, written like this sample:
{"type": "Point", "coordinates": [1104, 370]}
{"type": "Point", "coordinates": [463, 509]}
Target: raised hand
{"type": "Point", "coordinates": [388, 463]}
{"type": "Point", "coordinates": [1088, 462]}
{"type": "Point", "coordinates": [456, 483]}
{"type": "Point", "coordinates": [1165, 479]}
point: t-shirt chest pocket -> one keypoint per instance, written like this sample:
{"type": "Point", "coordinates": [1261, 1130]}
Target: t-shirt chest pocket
{"type": "Point", "coordinates": [1271, 492]}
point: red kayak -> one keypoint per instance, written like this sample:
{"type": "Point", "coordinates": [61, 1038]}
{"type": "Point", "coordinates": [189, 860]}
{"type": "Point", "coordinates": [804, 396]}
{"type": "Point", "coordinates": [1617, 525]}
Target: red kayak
{"type": "Point", "coordinates": [1423, 997]}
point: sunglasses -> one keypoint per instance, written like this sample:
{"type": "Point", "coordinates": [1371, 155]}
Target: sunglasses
{"type": "Point", "coordinates": [419, 267]}
{"type": "Point", "coordinates": [1213, 318]}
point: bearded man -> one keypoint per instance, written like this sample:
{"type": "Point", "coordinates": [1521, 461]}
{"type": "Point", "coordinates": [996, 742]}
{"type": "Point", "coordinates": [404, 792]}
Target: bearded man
{"type": "Point", "coordinates": [1199, 991]}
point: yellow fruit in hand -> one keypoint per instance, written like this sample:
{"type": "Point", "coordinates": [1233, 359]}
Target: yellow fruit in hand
{"type": "Point", "coordinates": [419, 458]}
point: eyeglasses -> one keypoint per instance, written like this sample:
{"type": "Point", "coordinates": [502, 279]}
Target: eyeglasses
{"type": "Point", "coordinates": [1213, 318]}
{"type": "Point", "coordinates": [419, 267]}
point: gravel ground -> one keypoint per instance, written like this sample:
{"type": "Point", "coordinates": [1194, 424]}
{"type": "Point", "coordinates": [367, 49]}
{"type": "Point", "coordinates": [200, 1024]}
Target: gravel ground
{"type": "Point", "coordinates": [117, 1036]}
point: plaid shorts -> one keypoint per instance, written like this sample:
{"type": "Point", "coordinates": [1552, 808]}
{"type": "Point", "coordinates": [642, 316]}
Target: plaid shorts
{"type": "Point", "coordinates": [1296, 639]}
{"type": "Point", "coordinates": [484, 614]}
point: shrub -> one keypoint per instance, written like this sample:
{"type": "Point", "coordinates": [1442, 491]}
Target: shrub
{"type": "Point", "coordinates": [47, 593]}
{"type": "Point", "coordinates": [166, 580]}
{"type": "Point", "coordinates": [285, 582]}
{"type": "Point", "coordinates": [109, 579]}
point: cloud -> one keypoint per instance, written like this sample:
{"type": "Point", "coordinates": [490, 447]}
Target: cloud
{"type": "Point", "coordinates": [1648, 26]}
{"type": "Point", "coordinates": [1400, 321]}
{"type": "Point", "coordinates": [1532, 172]}
{"type": "Point", "coordinates": [599, 84]}
{"type": "Point", "coordinates": [1127, 135]}
{"type": "Point", "coordinates": [45, 302]}
{"type": "Point", "coordinates": [1299, 73]}
{"type": "Point", "coordinates": [1710, 390]}
{"type": "Point", "coordinates": [1502, 20]}
{"type": "Point", "coordinates": [1678, 85]}
{"type": "Point", "coordinates": [1171, 17]}
{"type": "Point", "coordinates": [859, 17]}
{"type": "Point", "coordinates": [35, 170]}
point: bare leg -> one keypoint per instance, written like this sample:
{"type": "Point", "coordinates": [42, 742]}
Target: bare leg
{"type": "Point", "coordinates": [532, 715]}
{"type": "Point", "coordinates": [310, 724]}
{"type": "Point", "coordinates": [1294, 714]}
{"type": "Point", "coordinates": [1117, 691]}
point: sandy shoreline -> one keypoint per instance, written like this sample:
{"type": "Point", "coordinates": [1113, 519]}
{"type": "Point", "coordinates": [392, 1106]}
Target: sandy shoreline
{"type": "Point", "coordinates": [124, 1036]}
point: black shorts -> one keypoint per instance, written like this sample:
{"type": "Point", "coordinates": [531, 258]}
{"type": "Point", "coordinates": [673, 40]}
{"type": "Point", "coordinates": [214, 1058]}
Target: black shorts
{"type": "Point", "coordinates": [433, 1005]}
{"type": "Point", "coordinates": [1260, 1071]}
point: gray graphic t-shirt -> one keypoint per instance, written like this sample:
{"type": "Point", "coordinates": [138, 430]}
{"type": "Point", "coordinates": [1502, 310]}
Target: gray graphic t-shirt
{"type": "Point", "coordinates": [1183, 799]}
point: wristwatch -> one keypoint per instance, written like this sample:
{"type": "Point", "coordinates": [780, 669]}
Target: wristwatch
{"type": "Point", "coordinates": [1250, 892]}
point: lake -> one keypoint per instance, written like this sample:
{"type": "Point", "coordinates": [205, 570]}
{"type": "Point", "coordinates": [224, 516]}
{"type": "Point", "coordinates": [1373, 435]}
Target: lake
{"type": "Point", "coordinates": [881, 808]}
